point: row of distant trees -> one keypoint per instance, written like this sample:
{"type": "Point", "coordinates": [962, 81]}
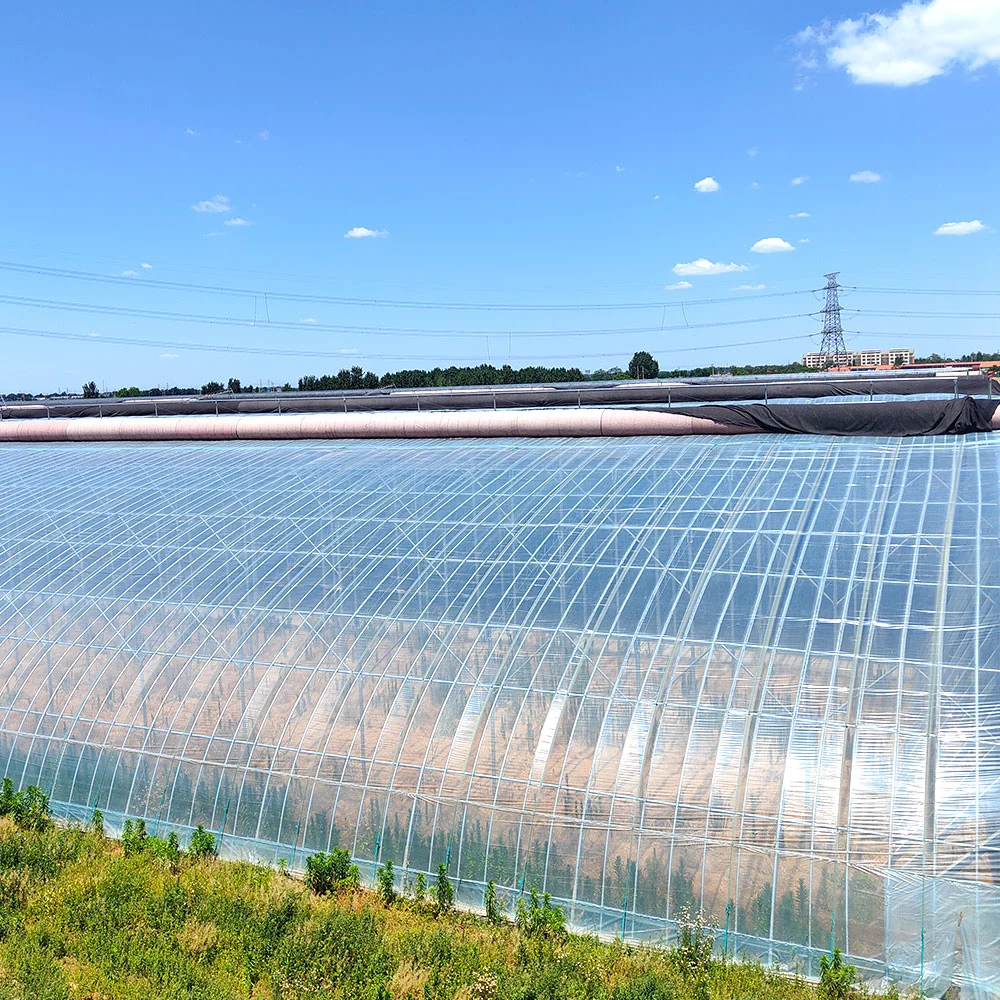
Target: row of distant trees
{"type": "Point", "coordinates": [642, 366]}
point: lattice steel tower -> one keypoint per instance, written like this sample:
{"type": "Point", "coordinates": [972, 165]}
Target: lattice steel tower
{"type": "Point", "coordinates": [832, 346]}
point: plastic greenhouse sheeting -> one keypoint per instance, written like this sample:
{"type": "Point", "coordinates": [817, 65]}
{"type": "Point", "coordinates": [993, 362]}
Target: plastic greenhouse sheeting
{"type": "Point", "coordinates": [758, 675]}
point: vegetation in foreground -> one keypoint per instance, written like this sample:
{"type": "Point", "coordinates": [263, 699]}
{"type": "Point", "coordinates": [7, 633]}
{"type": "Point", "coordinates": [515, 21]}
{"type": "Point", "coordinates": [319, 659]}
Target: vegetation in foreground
{"type": "Point", "coordinates": [82, 916]}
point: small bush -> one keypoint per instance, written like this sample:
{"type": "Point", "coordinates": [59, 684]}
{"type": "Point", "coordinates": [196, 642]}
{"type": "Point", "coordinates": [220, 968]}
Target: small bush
{"type": "Point", "coordinates": [133, 837]}
{"type": "Point", "coordinates": [420, 887]}
{"type": "Point", "coordinates": [836, 980]}
{"type": "Point", "coordinates": [28, 808]}
{"type": "Point", "coordinates": [97, 823]}
{"type": "Point", "coordinates": [326, 873]}
{"type": "Point", "coordinates": [444, 894]}
{"type": "Point", "coordinates": [387, 884]}
{"type": "Point", "coordinates": [492, 904]}
{"type": "Point", "coordinates": [202, 843]}
{"type": "Point", "coordinates": [538, 916]}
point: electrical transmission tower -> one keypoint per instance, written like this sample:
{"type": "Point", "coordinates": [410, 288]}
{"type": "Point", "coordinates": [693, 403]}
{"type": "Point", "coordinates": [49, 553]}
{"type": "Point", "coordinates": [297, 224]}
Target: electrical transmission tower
{"type": "Point", "coordinates": [832, 346]}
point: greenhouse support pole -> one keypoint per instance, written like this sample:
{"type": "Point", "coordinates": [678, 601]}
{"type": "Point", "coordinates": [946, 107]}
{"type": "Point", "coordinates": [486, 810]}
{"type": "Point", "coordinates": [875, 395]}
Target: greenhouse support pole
{"type": "Point", "coordinates": [222, 829]}
{"type": "Point", "coordinates": [725, 935]}
{"type": "Point", "coordinates": [447, 858]}
{"type": "Point", "coordinates": [378, 845]}
{"type": "Point", "coordinates": [295, 843]}
{"type": "Point", "coordinates": [624, 912]}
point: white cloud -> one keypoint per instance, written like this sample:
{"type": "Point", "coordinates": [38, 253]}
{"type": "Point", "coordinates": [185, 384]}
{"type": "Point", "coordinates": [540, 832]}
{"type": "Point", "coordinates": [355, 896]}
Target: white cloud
{"type": "Point", "coordinates": [360, 233]}
{"type": "Point", "coordinates": [754, 186]}
{"type": "Point", "coordinates": [237, 222]}
{"type": "Point", "coordinates": [707, 185]}
{"type": "Point", "coordinates": [619, 170]}
{"type": "Point", "coordinates": [214, 205]}
{"type": "Point", "coordinates": [209, 236]}
{"type": "Point", "coordinates": [191, 131]}
{"type": "Point", "coordinates": [93, 334]}
{"type": "Point", "coordinates": [800, 215]}
{"type": "Point", "coordinates": [771, 244]}
{"type": "Point", "coordinates": [804, 240]}
{"type": "Point", "coordinates": [264, 134]}
{"type": "Point", "coordinates": [704, 267]}
{"type": "Point", "coordinates": [796, 181]}
{"type": "Point", "coordinates": [169, 355]}
{"type": "Point", "coordinates": [960, 228]}
{"type": "Point", "coordinates": [308, 319]}
{"type": "Point", "coordinates": [749, 288]}
{"type": "Point", "coordinates": [129, 274]}
{"type": "Point", "coordinates": [913, 44]}
{"type": "Point", "coordinates": [866, 177]}
{"type": "Point", "coordinates": [348, 350]}
{"type": "Point", "coordinates": [678, 286]}
{"type": "Point", "coordinates": [752, 151]}
{"type": "Point", "coordinates": [656, 197]}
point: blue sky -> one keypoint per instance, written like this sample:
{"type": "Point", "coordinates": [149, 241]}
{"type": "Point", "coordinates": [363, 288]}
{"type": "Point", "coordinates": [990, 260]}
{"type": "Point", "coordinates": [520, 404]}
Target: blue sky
{"type": "Point", "coordinates": [504, 153]}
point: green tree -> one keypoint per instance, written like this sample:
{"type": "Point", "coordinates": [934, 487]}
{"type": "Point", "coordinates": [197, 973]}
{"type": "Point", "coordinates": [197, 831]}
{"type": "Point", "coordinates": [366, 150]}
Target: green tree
{"type": "Point", "coordinates": [234, 385]}
{"type": "Point", "coordinates": [210, 388]}
{"type": "Point", "coordinates": [387, 884]}
{"type": "Point", "coordinates": [97, 823]}
{"type": "Point", "coordinates": [643, 365]}
{"type": "Point", "coordinates": [90, 390]}
{"type": "Point", "coordinates": [444, 894]}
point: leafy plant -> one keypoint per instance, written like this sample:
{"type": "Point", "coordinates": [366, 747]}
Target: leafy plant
{"type": "Point", "coordinates": [420, 887]}
{"type": "Point", "coordinates": [327, 872]}
{"type": "Point", "coordinates": [444, 894]}
{"type": "Point", "coordinates": [387, 884]}
{"type": "Point", "coordinates": [492, 904]}
{"type": "Point", "coordinates": [97, 823]}
{"type": "Point", "coordinates": [28, 808]}
{"type": "Point", "coordinates": [133, 837]}
{"type": "Point", "coordinates": [836, 979]}
{"type": "Point", "coordinates": [538, 916]}
{"type": "Point", "coordinates": [202, 843]}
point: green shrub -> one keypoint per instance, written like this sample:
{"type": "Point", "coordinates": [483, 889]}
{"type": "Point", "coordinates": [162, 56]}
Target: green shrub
{"type": "Point", "coordinates": [538, 916]}
{"type": "Point", "coordinates": [420, 887]}
{"type": "Point", "coordinates": [28, 808]}
{"type": "Point", "coordinates": [836, 980]}
{"type": "Point", "coordinates": [97, 823]}
{"type": "Point", "coordinates": [202, 843]}
{"type": "Point", "coordinates": [444, 894]}
{"type": "Point", "coordinates": [387, 884]}
{"type": "Point", "coordinates": [492, 904]}
{"type": "Point", "coordinates": [326, 873]}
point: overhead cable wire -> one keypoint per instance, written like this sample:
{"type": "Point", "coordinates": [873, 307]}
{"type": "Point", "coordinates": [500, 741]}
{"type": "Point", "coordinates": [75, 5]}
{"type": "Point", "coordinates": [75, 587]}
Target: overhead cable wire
{"type": "Point", "coordinates": [345, 356]}
{"type": "Point", "coordinates": [368, 331]}
{"type": "Point", "coordinates": [925, 291]}
{"type": "Point", "coordinates": [143, 281]}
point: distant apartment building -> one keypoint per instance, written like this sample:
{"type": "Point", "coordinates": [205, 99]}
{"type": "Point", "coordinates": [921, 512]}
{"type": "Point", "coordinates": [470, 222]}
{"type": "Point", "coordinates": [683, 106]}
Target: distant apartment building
{"type": "Point", "coordinates": [893, 357]}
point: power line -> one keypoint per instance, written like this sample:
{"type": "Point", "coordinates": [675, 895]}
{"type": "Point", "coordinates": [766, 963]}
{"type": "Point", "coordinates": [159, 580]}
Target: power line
{"type": "Point", "coordinates": [346, 357]}
{"type": "Point", "coordinates": [923, 291]}
{"type": "Point", "coordinates": [368, 331]}
{"type": "Point", "coordinates": [143, 281]}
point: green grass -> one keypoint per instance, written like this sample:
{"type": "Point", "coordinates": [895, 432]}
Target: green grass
{"type": "Point", "coordinates": [80, 919]}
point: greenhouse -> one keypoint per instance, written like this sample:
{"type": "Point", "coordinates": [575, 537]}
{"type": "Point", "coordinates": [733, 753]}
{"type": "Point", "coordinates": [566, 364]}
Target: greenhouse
{"type": "Point", "coordinates": [757, 675]}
